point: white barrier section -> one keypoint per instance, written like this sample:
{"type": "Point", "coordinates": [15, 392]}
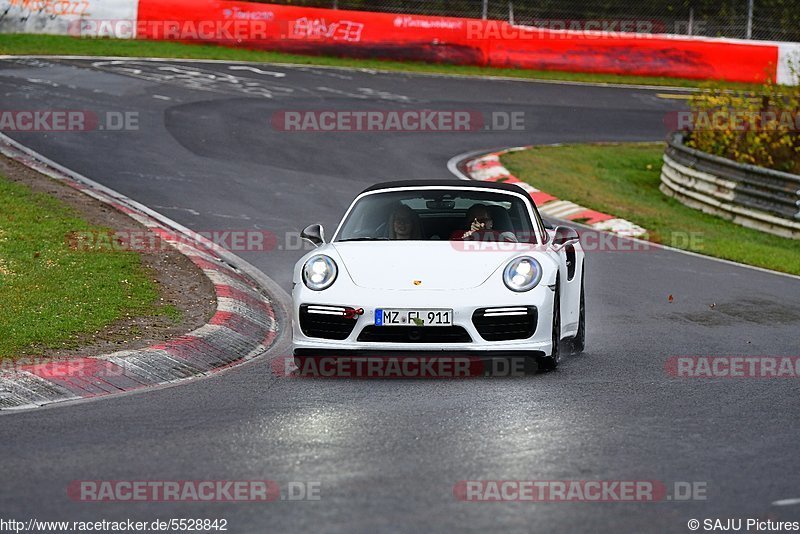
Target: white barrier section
{"type": "Point", "coordinates": [788, 64]}
{"type": "Point", "coordinates": [68, 17]}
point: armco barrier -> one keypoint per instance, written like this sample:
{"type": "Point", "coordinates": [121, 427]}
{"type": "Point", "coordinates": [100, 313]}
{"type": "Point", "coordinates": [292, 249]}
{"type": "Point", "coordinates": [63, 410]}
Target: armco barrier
{"type": "Point", "coordinates": [405, 37]}
{"type": "Point", "coordinates": [751, 196]}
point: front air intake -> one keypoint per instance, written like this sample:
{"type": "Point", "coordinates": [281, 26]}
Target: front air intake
{"type": "Point", "coordinates": [504, 324]}
{"type": "Point", "coordinates": [327, 322]}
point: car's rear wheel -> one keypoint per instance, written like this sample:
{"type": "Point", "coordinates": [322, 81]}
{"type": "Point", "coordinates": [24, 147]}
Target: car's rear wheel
{"type": "Point", "coordinates": [548, 363]}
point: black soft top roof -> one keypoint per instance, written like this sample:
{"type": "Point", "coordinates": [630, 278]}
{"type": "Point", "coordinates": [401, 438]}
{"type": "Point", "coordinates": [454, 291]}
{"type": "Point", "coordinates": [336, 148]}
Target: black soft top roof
{"type": "Point", "coordinates": [495, 186]}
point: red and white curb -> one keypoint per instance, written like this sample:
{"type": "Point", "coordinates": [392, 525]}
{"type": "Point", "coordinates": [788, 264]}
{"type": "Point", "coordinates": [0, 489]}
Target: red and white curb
{"type": "Point", "coordinates": [487, 168]}
{"type": "Point", "coordinates": [243, 327]}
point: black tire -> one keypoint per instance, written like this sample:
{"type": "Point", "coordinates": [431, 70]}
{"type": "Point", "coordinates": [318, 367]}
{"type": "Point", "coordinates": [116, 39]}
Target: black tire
{"type": "Point", "coordinates": [579, 341]}
{"type": "Point", "coordinates": [548, 363]}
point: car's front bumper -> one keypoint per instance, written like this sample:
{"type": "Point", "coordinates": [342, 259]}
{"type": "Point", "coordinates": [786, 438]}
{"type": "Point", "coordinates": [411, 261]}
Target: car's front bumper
{"type": "Point", "coordinates": [463, 302]}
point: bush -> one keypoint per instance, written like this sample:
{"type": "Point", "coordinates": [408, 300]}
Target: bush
{"type": "Point", "coordinates": [760, 127]}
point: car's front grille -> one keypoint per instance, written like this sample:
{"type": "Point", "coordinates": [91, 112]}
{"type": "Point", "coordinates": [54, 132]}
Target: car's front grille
{"type": "Point", "coordinates": [327, 322]}
{"type": "Point", "coordinates": [503, 324]}
{"type": "Point", "coordinates": [414, 334]}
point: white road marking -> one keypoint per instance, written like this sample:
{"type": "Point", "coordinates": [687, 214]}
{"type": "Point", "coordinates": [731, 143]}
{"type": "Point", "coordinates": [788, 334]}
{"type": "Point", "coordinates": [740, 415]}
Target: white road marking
{"type": "Point", "coordinates": [342, 93]}
{"type": "Point", "coordinates": [611, 85]}
{"type": "Point", "coordinates": [384, 95]}
{"type": "Point", "coordinates": [365, 93]}
{"type": "Point", "coordinates": [242, 217]}
{"type": "Point", "coordinates": [162, 97]}
{"type": "Point", "coordinates": [158, 177]}
{"type": "Point", "coordinates": [101, 64]}
{"type": "Point", "coordinates": [258, 71]}
{"type": "Point", "coordinates": [44, 82]}
{"type": "Point", "coordinates": [324, 72]}
{"type": "Point", "coordinates": [179, 70]}
{"type": "Point", "coordinates": [195, 78]}
{"type": "Point", "coordinates": [786, 502]}
{"type": "Point", "coordinates": [178, 208]}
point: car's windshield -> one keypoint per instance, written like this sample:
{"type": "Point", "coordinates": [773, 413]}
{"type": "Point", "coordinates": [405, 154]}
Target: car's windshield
{"type": "Point", "coordinates": [438, 214]}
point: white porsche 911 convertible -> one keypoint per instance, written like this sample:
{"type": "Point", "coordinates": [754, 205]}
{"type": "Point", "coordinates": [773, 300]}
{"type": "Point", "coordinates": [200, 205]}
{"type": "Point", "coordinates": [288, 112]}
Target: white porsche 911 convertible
{"type": "Point", "coordinates": [440, 266]}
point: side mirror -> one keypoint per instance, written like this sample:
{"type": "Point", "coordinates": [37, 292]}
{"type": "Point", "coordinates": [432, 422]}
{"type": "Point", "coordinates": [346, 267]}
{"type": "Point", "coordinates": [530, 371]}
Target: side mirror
{"type": "Point", "coordinates": [564, 235]}
{"type": "Point", "coordinates": [314, 234]}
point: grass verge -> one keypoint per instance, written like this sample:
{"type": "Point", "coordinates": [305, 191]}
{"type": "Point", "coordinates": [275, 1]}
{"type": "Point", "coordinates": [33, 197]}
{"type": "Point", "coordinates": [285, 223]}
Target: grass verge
{"type": "Point", "coordinates": [24, 44]}
{"type": "Point", "coordinates": [623, 180]}
{"type": "Point", "coordinates": [53, 296]}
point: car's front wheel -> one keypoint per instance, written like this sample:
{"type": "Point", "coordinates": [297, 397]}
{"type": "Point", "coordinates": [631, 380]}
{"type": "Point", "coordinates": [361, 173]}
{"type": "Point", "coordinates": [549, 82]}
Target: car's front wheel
{"type": "Point", "coordinates": [548, 363]}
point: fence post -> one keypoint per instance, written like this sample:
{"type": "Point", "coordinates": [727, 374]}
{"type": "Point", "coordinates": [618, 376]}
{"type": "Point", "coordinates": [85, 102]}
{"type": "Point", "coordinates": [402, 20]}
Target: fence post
{"type": "Point", "coordinates": [485, 9]}
{"type": "Point", "coordinates": [691, 21]}
{"type": "Point", "coordinates": [511, 12]}
{"type": "Point", "coordinates": [750, 19]}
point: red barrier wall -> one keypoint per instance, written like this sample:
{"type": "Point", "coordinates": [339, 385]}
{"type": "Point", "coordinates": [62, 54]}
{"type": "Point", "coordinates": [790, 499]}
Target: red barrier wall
{"type": "Point", "coordinates": [658, 56]}
{"type": "Point", "coordinates": [452, 40]}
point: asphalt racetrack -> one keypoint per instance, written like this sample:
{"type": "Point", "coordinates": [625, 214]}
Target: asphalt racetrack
{"type": "Point", "coordinates": [389, 453]}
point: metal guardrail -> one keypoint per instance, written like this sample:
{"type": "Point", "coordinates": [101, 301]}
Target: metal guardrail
{"type": "Point", "coordinates": [752, 196]}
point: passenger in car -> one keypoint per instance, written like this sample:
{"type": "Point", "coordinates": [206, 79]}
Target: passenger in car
{"type": "Point", "coordinates": [404, 223]}
{"type": "Point", "coordinates": [481, 226]}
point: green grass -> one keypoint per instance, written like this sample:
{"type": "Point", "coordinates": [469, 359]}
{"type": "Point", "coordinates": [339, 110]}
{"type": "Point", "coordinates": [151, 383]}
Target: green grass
{"type": "Point", "coordinates": [623, 180]}
{"type": "Point", "coordinates": [53, 296]}
{"type": "Point", "coordinates": [23, 44]}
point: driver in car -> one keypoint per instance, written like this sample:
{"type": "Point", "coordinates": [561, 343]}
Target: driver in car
{"type": "Point", "coordinates": [404, 224]}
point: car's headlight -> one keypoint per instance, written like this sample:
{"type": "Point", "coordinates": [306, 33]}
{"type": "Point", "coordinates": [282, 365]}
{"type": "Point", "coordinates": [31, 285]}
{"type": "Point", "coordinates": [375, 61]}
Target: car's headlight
{"type": "Point", "coordinates": [522, 274]}
{"type": "Point", "coordinates": [319, 272]}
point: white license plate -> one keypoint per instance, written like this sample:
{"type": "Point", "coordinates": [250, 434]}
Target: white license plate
{"type": "Point", "coordinates": [413, 317]}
